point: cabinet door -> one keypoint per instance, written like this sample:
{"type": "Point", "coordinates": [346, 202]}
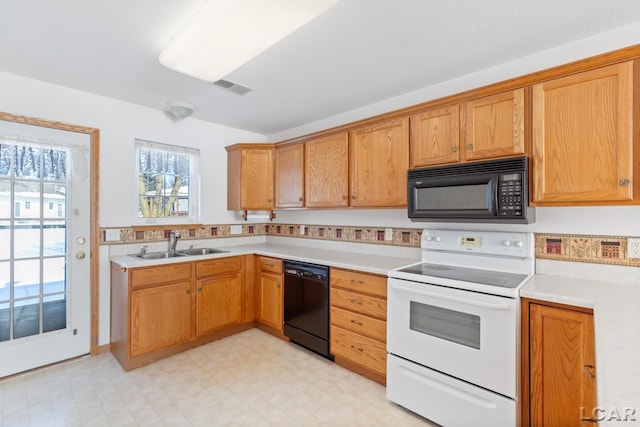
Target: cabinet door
{"type": "Point", "coordinates": [494, 126]}
{"type": "Point", "coordinates": [160, 316]}
{"type": "Point", "coordinates": [379, 160]}
{"type": "Point", "coordinates": [257, 178]}
{"type": "Point", "coordinates": [218, 302]}
{"type": "Point", "coordinates": [562, 366]}
{"type": "Point", "coordinates": [583, 137]}
{"type": "Point", "coordinates": [435, 137]}
{"type": "Point", "coordinates": [271, 300]}
{"type": "Point", "coordinates": [290, 176]}
{"type": "Point", "coordinates": [326, 171]}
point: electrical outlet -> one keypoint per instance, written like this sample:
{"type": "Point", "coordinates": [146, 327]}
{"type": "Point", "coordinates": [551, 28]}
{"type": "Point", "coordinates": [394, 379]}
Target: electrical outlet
{"type": "Point", "coordinates": [633, 248]}
{"type": "Point", "coordinates": [302, 228]}
{"type": "Point", "coordinates": [388, 234]}
{"type": "Point", "coordinates": [236, 229]}
{"type": "Point", "coordinates": [112, 235]}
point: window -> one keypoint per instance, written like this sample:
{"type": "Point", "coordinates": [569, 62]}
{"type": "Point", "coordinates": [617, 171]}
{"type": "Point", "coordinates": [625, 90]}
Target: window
{"type": "Point", "coordinates": [27, 204]}
{"type": "Point", "coordinates": [16, 212]}
{"type": "Point", "coordinates": [167, 181]}
{"type": "Point", "coordinates": [50, 206]}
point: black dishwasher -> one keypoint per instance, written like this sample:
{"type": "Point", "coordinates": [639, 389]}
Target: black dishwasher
{"type": "Point", "coordinates": [306, 305]}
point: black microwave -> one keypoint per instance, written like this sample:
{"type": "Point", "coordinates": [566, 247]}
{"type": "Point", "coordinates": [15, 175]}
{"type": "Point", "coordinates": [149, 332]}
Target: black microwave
{"type": "Point", "coordinates": [485, 191]}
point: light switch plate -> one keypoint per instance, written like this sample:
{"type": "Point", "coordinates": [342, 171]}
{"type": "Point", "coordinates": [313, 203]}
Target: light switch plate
{"type": "Point", "coordinates": [388, 234]}
{"type": "Point", "coordinates": [236, 229]}
{"type": "Point", "coordinates": [112, 235]}
{"type": "Point", "coordinates": [302, 228]}
{"type": "Point", "coordinates": [633, 248]}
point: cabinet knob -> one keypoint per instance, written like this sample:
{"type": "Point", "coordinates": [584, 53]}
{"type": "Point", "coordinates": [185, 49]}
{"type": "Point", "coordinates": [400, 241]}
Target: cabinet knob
{"type": "Point", "coordinates": [625, 181]}
{"type": "Point", "coordinates": [269, 200]}
{"type": "Point", "coordinates": [188, 291]}
{"type": "Point", "coordinates": [587, 369]}
{"type": "Point", "coordinates": [344, 197]}
{"type": "Point", "coordinates": [470, 146]}
{"type": "Point", "coordinates": [454, 149]}
{"type": "Point", "coordinates": [299, 199]}
{"type": "Point", "coordinates": [199, 289]}
{"type": "Point", "coordinates": [353, 197]}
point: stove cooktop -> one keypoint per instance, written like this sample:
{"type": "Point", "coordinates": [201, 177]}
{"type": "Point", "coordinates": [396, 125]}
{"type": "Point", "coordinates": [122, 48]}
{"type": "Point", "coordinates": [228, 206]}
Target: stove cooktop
{"type": "Point", "coordinates": [471, 275]}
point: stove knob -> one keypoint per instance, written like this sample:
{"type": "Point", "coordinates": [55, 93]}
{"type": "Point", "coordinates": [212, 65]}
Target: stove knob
{"type": "Point", "coordinates": [438, 238]}
{"type": "Point", "coordinates": [520, 243]}
{"type": "Point", "coordinates": [507, 243]}
{"type": "Point", "coordinates": [428, 238]}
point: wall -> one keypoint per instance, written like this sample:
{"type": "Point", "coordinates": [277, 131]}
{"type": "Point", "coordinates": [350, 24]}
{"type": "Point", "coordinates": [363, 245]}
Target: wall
{"type": "Point", "coordinates": [583, 220]}
{"type": "Point", "coordinates": [120, 123]}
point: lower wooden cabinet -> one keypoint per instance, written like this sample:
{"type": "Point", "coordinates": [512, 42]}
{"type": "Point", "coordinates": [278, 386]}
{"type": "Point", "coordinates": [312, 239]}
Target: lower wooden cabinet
{"type": "Point", "coordinates": [161, 310]}
{"type": "Point", "coordinates": [161, 316]}
{"type": "Point", "coordinates": [358, 332]}
{"type": "Point", "coordinates": [559, 369]}
{"type": "Point", "coordinates": [218, 294]}
{"type": "Point", "coordinates": [270, 294]}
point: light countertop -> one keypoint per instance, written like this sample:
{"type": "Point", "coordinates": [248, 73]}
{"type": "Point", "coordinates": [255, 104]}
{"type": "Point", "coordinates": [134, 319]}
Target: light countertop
{"type": "Point", "coordinates": [616, 311]}
{"type": "Point", "coordinates": [370, 263]}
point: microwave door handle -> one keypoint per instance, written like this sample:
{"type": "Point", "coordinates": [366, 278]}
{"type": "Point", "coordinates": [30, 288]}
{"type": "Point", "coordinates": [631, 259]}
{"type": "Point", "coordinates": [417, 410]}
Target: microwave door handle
{"type": "Point", "coordinates": [501, 307]}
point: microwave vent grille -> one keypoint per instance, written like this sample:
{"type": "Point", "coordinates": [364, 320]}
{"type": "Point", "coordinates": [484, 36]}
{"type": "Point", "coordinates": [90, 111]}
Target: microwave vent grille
{"type": "Point", "coordinates": [518, 163]}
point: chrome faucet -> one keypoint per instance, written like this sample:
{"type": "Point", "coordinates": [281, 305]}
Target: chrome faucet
{"type": "Point", "coordinates": [173, 241]}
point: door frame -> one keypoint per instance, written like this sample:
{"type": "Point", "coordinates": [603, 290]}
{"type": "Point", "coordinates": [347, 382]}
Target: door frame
{"type": "Point", "coordinates": [94, 135]}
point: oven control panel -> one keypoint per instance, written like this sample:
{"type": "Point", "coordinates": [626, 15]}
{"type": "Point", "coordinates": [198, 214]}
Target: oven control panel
{"type": "Point", "coordinates": [516, 244]}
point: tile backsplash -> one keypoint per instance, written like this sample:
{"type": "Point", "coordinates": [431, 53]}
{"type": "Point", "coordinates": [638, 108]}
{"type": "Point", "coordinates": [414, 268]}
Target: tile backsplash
{"type": "Point", "coordinates": [564, 247]}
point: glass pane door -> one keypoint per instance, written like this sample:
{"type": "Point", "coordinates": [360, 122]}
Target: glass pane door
{"type": "Point", "coordinates": [33, 232]}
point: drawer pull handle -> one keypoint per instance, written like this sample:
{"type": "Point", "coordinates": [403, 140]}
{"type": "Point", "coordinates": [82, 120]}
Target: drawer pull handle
{"type": "Point", "coordinates": [356, 348]}
{"type": "Point", "coordinates": [355, 301]}
{"type": "Point", "coordinates": [188, 291]}
{"type": "Point", "coordinates": [356, 322]}
{"type": "Point", "coordinates": [357, 281]}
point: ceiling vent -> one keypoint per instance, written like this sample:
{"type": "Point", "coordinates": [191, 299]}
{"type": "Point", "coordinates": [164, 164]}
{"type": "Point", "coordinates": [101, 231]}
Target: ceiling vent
{"type": "Point", "coordinates": [232, 87]}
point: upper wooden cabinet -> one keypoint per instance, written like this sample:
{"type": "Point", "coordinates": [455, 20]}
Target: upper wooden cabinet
{"type": "Point", "coordinates": [435, 136]}
{"type": "Point", "coordinates": [494, 126]}
{"type": "Point", "coordinates": [289, 176]}
{"type": "Point", "coordinates": [327, 171]}
{"type": "Point", "coordinates": [250, 177]}
{"type": "Point", "coordinates": [379, 159]}
{"type": "Point", "coordinates": [483, 128]}
{"type": "Point", "coordinates": [583, 142]}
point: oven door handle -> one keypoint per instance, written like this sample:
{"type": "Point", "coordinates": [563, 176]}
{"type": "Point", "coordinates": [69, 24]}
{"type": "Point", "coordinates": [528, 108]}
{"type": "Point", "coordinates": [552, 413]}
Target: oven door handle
{"type": "Point", "coordinates": [501, 307]}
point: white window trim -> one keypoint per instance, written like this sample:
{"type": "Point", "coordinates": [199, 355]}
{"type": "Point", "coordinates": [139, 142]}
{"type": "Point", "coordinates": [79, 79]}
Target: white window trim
{"type": "Point", "coordinates": [194, 184]}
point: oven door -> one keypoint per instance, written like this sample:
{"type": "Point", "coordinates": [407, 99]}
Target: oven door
{"type": "Point", "coordinates": [468, 335]}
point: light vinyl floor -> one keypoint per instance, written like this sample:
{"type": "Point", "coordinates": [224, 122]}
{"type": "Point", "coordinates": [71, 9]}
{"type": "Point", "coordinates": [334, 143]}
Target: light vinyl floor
{"type": "Point", "coordinates": [248, 379]}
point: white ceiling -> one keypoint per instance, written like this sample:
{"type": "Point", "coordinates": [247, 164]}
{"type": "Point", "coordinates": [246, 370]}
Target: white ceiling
{"type": "Point", "coordinates": [358, 53]}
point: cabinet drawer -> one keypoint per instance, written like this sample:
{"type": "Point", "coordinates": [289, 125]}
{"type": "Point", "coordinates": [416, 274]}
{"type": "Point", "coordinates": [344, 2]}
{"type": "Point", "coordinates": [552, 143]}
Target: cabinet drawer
{"type": "Point", "coordinates": [361, 282]}
{"type": "Point", "coordinates": [359, 323]}
{"type": "Point", "coordinates": [272, 265]}
{"type": "Point", "coordinates": [363, 304]}
{"type": "Point", "coordinates": [364, 351]}
{"type": "Point", "coordinates": [218, 266]}
{"type": "Point", "coordinates": [155, 275]}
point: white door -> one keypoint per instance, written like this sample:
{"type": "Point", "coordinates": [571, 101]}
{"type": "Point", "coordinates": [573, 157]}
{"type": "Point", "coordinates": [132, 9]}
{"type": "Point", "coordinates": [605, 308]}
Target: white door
{"type": "Point", "coordinates": [45, 236]}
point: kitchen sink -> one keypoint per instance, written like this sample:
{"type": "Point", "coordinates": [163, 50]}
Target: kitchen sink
{"type": "Point", "coordinates": [201, 251]}
{"type": "Point", "coordinates": [159, 255]}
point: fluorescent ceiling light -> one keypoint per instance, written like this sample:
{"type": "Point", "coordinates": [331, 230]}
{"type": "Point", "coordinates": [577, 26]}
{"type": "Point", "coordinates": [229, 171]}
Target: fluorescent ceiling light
{"type": "Point", "coordinates": [228, 33]}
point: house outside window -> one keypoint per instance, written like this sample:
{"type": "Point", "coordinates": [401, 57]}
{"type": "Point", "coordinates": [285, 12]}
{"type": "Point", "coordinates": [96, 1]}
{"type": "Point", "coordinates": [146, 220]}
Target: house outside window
{"type": "Point", "coordinates": [167, 179]}
{"type": "Point", "coordinates": [27, 204]}
{"type": "Point", "coordinates": [16, 212]}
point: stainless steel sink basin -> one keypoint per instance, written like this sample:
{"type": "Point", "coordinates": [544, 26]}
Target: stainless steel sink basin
{"type": "Point", "coordinates": [159, 255]}
{"type": "Point", "coordinates": [201, 251]}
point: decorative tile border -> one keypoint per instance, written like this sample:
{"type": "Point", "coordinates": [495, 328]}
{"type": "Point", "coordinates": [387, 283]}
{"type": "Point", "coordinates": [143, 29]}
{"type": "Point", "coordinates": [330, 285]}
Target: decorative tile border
{"type": "Point", "coordinates": [584, 248]}
{"type": "Point", "coordinates": [563, 247]}
{"type": "Point", "coordinates": [407, 237]}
